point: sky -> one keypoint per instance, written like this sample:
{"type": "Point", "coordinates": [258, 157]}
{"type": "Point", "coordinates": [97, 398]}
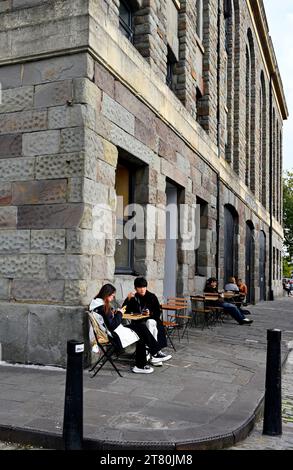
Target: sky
{"type": "Point", "coordinates": [280, 20]}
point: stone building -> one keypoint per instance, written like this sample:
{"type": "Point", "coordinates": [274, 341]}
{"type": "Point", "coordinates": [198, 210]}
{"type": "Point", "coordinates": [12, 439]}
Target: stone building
{"type": "Point", "coordinates": [162, 102]}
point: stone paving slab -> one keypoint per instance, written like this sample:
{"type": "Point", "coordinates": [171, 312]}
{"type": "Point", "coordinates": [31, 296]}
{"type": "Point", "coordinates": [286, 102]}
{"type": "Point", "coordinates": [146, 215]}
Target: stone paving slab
{"type": "Point", "coordinates": [207, 396]}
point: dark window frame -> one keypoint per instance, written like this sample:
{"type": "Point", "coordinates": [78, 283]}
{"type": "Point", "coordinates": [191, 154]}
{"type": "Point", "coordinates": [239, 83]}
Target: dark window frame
{"type": "Point", "coordinates": [171, 61]}
{"type": "Point", "coordinates": [129, 269]}
{"type": "Point", "coordinates": [127, 28]}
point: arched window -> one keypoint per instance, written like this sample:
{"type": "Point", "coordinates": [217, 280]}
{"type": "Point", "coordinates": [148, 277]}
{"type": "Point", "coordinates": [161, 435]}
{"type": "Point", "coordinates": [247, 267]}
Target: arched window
{"type": "Point", "coordinates": [228, 17]}
{"type": "Point", "coordinates": [247, 118]}
{"type": "Point", "coordinates": [235, 152]}
{"type": "Point", "coordinates": [263, 143]}
{"type": "Point", "coordinates": [250, 113]}
{"type": "Point", "coordinates": [230, 242]}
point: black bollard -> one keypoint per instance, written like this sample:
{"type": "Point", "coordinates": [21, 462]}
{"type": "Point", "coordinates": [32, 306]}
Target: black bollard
{"type": "Point", "coordinates": [73, 406]}
{"type": "Point", "coordinates": [272, 424]}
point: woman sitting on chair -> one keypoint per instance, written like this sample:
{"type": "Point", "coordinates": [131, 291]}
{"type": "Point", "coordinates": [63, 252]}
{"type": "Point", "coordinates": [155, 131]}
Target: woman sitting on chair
{"type": "Point", "coordinates": [101, 305]}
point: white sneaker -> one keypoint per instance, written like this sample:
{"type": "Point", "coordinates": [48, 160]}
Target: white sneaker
{"type": "Point", "coordinates": [156, 361]}
{"type": "Point", "coordinates": [146, 370]}
{"type": "Point", "coordinates": [162, 356]}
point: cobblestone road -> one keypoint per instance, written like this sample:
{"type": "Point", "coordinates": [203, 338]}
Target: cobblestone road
{"type": "Point", "coordinates": [256, 440]}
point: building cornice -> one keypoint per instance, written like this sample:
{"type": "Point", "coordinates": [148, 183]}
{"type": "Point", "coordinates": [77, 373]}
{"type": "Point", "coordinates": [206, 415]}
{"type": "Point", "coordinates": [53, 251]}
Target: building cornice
{"type": "Point", "coordinates": [258, 11]}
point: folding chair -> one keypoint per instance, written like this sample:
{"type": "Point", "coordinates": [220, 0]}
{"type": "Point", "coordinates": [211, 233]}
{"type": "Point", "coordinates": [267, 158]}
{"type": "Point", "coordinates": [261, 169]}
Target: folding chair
{"type": "Point", "coordinates": [182, 321]}
{"type": "Point", "coordinates": [199, 309]}
{"type": "Point", "coordinates": [105, 345]}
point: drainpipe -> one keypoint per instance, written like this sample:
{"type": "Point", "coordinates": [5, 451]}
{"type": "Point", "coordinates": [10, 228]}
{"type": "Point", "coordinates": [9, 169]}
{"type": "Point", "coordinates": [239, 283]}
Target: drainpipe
{"type": "Point", "coordinates": [271, 292]}
{"type": "Point", "coordinates": [218, 227]}
{"type": "Point", "coordinates": [218, 77]}
{"type": "Point", "coordinates": [218, 136]}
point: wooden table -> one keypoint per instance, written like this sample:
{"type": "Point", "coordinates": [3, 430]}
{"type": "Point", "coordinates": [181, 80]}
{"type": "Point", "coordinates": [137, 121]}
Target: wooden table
{"type": "Point", "coordinates": [135, 316]}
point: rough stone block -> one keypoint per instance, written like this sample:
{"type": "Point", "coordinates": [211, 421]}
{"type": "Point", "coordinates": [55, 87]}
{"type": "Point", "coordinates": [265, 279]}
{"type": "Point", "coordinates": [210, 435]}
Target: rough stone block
{"type": "Point", "coordinates": [10, 76]}
{"type": "Point", "coordinates": [72, 139]}
{"type": "Point", "coordinates": [69, 267]}
{"type": "Point", "coordinates": [13, 332]}
{"type": "Point", "coordinates": [25, 266]}
{"type": "Point", "coordinates": [122, 139]}
{"type": "Point", "coordinates": [33, 290]}
{"type": "Point", "coordinates": [117, 114]}
{"type": "Point", "coordinates": [79, 115]}
{"type": "Point", "coordinates": [48, 345]}
{"type": "Point", "coordinates": [5, 5]}
{"type": "Point", "coordinates": [17, 99]}
{"type": "Point", "coordinates": [87, 92]}
{"type": "Point", "coordinates": [41, 143]}
{"type": "Point", "coordinates": [75, 190]}
{"type": "Point", "coordinates": [94, 193]}
{"type": "Point", "coordinates": [57, 68]}
{"type": "Point", "coordinates": [8, 217]}
{"type": "Point", "coordinates": [103, 267]}
{"type": "Point", "coordinates": [110, 153]}
{"type": "Point", "coordinates": [50, 216]}
{"type": "Point", "coordinates": [16, 169]}
{"type": "Point", "coordinates": [60, 166]}
{"type": "Point", "coordinates": [129, 101]}
{"type": "Point", "coordinates": [24, 121]}
{"type": "Point", "coordinates": [47, 241]}
{"type": "Point", "coordinates": [147, 135]}
{"type": "Point", "coordinates": [10, 145]}
{"type": "Point", "coordinates": [5, 43]}
{"type": "Point", "coordinates": [53, 94]}
{"type": "Point", "coordinates": [104, 80]}
{"type": "Point", "coordinates": [5, 194]}
{"type": "Point", "coordinates": [75, 292]}
{"type": "Point", "coordinates": [39, 192]}
{"type": "Point", "coordinates": [84, 241]}
{"type": "Point", "coordinates": [105, 173]}
{"type": "Point", "coordinates": [12, 241]}
{"type": "Point", "coordinates": [26, 3]}
{"type": "Point", "coordinates": [4, 289]}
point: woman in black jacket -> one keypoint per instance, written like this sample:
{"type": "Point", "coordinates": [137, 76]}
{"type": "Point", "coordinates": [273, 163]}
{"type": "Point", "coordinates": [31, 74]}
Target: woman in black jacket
{"type": "Point", "coordinates": [101, 305]}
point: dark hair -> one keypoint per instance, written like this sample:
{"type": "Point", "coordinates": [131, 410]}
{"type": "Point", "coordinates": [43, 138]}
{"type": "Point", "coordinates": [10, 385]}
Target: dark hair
{"type": "Point", "coordinates": [105, 291]}
{"type": "Point", "coordinates": [140, 282]}
{"type": "Point", "coordinates": [210, 280]}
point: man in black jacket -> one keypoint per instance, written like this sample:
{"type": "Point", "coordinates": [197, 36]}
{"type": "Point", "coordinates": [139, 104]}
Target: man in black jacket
{"type": "Point", "coordinates": [144, 301]}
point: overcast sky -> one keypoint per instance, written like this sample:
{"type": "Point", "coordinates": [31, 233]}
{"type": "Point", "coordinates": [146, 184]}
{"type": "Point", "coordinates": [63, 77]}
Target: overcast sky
{"type": "Point", "coordinates": [280, 19]}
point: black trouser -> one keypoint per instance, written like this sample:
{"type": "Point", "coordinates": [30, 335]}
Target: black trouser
{"type": "Point", "coordinates": [145, 339]}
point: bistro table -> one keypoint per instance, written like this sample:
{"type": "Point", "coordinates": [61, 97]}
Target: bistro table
{"type": "Point", "coordinates": [135, 316]}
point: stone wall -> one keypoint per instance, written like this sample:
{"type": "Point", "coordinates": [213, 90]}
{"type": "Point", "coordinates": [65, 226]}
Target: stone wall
{"type": "Point", "coordinates": [70, 106]}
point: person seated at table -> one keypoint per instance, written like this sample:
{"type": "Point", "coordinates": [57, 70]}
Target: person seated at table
{"type": "Point", "coordinates": [101, 305]}
{"type": "Point", "coordinates": [211, 288]}
{"type": "Point", "coordinates": [141, 300]}
{"type": "Point", "coordinates": [242, 290]}
{"type": "Point", "coordinates": [231, 285]}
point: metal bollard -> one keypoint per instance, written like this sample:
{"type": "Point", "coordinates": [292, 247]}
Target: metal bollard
{"type": "Point", "coordinates": [73, 405]}
{"type": "Point", "coordinates": [272, 425]}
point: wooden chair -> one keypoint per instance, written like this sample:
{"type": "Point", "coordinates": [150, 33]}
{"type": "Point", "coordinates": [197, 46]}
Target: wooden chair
{"type": "Point", "coordinates": [181, 320]}
{"type": "Point", "coordinates": [201, 311]}
{"type": "Point", "coordinates": [105, 345]}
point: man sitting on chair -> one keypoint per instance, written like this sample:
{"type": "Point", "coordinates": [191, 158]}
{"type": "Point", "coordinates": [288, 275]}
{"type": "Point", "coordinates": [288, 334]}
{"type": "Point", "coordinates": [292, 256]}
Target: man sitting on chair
{"type": "Point", "coordinates": [141, 300]}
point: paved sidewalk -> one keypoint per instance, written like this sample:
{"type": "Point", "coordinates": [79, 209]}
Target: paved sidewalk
{"type": "Point", "coordinates": [205, 397]}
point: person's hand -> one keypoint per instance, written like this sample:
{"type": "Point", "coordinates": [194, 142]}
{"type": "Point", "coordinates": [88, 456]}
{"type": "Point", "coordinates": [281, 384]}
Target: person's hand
{"type": "Point", "coordinates": [145, 311]}
{"type": "Point", "coordinates": [131, 295]}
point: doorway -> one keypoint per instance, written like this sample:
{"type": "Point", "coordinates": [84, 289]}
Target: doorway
{"type": "Point", "coordinates": [262, 266]}
{"type": "Point", "coordinates": [249, 262]}
{"type": "Point", "coordinates": [171, 262]}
